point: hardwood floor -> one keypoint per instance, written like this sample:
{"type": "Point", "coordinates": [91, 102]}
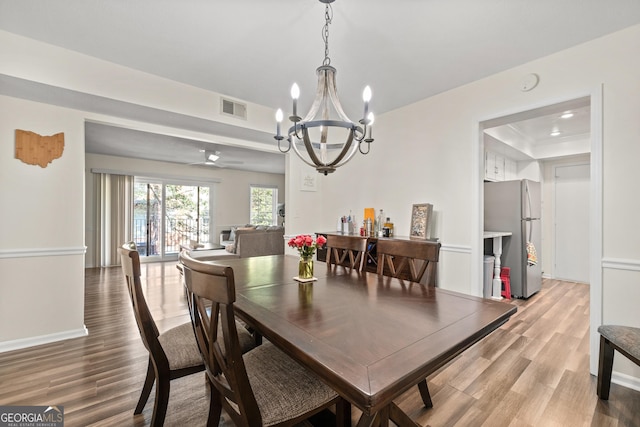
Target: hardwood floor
{"type": "Point", "coordinates": [533, 371]}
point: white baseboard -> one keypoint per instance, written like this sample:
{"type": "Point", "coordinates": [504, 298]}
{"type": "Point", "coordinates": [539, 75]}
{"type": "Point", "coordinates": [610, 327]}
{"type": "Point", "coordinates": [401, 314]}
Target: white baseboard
{"type": "Point", "coordinates": [625, 380]}
{"type": "Point", "coordinates": [42, 339]}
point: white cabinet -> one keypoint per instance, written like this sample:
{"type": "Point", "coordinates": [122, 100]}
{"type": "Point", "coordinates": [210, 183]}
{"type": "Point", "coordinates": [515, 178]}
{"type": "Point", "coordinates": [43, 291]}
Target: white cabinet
{"type": "Point", "coordinates": [493, 166]}
{"type": "Point", "coordinates": [499, 168]}
{"type": "Point", "coordinates": [510, 169]}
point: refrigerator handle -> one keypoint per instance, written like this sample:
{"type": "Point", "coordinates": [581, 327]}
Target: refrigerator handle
{"type": "Point", "coordinates": [528, 214]}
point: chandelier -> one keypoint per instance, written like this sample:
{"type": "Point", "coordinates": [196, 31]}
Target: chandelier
{"type": "Point", "coordinates": [309, 135]}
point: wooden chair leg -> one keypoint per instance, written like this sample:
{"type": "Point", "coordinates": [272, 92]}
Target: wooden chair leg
{"type": "Point", "coordinates": [343, 413]}
{"type": "Point", "coordinates": [605, 366]}
{"type": "Point", "coordinates": [161, 403]}
{"type": "Point", "coordinates": [257, 338]}
{"type": "Point", "coordinates": [424, 393]}
{"type": "Point", "coordinates": [146, 389]}
{"type": "Point", "coordinates": [215, 406]}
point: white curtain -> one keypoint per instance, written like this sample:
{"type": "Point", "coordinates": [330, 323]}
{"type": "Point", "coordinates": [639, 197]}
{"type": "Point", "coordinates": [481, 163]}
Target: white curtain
{"type": "Point", "coordinates": [114, 216]}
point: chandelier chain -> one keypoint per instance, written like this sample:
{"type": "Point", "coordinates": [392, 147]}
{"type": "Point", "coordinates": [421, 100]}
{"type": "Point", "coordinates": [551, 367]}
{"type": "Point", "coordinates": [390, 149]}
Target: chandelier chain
{"type": "Point", "coordinates": [328, 16]}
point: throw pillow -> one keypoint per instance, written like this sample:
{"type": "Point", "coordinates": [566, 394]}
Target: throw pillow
{"type": "Point", "coordinates": [232, 235]}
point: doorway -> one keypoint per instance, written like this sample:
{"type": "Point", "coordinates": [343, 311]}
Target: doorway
{"type": "Point", "coordinates": [594, 144]}
{"type": "Point", "coordinates": [547, 145]}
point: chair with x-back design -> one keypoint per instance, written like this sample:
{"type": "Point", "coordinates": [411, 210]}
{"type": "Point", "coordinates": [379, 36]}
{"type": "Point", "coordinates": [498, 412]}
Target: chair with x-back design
{"type": "Point", "coordinates": [409, 260]}
{"type": "Point", "coordinates": [348, 251]}
{"type": "Point", "coordinates": [263, 387]}
{"type": "Point", "coordinates": [173, 353]}
{"type": "Point", "coordinates": [412, 260]}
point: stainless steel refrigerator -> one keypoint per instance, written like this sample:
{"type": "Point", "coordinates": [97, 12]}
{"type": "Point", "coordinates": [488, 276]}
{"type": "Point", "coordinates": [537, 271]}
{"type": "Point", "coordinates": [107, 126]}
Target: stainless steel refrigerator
{"type": "Point", "coordinates": [516, 206]}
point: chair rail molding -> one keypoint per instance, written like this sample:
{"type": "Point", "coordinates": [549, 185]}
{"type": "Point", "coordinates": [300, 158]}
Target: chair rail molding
{"type": "Point", "coordinates": [621, 264]}
{"type": "Point", "coordinates": [42, 252]}
{"type": "Point", "coordinates": [463, 249]}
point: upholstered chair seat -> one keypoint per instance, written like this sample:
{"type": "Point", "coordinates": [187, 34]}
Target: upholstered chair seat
{"type": "Point", "coordinates": [272, 373]}
{"type": "Point", "coordinates": [181, 348]}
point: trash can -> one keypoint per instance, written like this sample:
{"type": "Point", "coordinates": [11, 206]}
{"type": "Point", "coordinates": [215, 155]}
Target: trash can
{"type": "Point", "coordinates": [488, 276]}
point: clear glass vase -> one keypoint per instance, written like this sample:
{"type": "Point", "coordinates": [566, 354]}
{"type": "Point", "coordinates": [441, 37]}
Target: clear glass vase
{"type": "Point", "coordinates": [305, 267]}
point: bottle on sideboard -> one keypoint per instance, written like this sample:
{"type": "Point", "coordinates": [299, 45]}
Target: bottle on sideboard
{"type": "Point", "coordinates": [389, 225]}
{"type": "Point", "coordinates": [378, 225]}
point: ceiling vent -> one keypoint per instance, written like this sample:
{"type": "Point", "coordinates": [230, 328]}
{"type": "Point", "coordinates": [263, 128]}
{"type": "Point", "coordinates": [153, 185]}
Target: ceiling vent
{"type": "Point", "coordinates": [234, 109]}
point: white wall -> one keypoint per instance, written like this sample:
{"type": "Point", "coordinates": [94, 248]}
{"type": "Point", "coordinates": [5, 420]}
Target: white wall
{"type": "Point", "coordinates": [231, 205]}
{"type": "Point", "coordinates": [428, 152]}
{"type": "Point", "coordinates": [41, 229]}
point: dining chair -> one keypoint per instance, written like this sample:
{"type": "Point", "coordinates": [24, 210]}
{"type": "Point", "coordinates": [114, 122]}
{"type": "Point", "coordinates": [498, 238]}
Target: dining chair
{"type": "Point", "coordinates": [263, 387]}
{"type": "Point", "coordinates": [410, 260]}
{"type": "Point", "coordinates": [348, 251]}
{"type": "Point", "coordinates": [626, 340]}
{"type": "Point", "coordinates": [173, 353]}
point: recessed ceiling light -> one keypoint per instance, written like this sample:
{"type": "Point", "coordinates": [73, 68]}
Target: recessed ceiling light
{"type": "Point", "coordinates": [555, 133]}
{"type": "Point", "coordinates": [566, 115]}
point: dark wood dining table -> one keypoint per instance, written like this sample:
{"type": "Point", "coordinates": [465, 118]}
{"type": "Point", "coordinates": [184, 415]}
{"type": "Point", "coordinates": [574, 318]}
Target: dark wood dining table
{"type": "Point", "coordinates": [369, 337]}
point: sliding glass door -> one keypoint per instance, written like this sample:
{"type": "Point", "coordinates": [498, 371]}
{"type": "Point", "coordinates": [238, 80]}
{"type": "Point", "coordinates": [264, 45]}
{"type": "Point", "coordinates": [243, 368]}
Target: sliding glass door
{"type": "Point", "coordinates": [147, 217]}
{"type": "Point", "coordinates": [167, 215]}
{"type": "Point", "coordinates": [187, 216]}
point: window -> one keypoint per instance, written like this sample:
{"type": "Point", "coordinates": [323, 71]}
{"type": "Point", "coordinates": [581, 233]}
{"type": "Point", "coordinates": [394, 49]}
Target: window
{"type": "Point", "coordinates": [169, 215]}
{"type": "Point", "coordinates": [264, 201]}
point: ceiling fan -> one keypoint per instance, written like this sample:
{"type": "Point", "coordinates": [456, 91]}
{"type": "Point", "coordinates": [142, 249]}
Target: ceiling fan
{"type": "Point", "coordinates": [213, 158]}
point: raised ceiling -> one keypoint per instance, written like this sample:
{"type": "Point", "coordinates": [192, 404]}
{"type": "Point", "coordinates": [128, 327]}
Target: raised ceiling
{"type": "Point", "coordinates": [406, 50]}
{"type": "Point", "coordinates": [546, 132]}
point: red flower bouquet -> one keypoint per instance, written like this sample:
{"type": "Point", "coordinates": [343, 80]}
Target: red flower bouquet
{"type": "Point", "coordinates": [306, 245]}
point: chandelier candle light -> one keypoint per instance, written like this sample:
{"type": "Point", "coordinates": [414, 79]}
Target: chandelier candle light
{"type": "Point", "coordinates": [306, 247]}
{"type": "Point", "coordinates": [320, 153]}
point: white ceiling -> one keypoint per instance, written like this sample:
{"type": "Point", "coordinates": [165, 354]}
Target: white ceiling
{"type": "Point", "coordinates": [406, 50]}
{"type": "Point", "coordinates": [522, 135]}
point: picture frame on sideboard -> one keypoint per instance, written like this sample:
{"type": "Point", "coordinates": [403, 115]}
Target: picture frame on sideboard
{"type": "Point", "coordinates": [420, 220]}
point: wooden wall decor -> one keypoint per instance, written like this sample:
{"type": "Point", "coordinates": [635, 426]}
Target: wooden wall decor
{"type": "Point", "coordinates": [34, 149]}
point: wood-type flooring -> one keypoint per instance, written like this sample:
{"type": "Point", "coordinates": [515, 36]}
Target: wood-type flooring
{"type": "Point", "coordinates": [532, 371]}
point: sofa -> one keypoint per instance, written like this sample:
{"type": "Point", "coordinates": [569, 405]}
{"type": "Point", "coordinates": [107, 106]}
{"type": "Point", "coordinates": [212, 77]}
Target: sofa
{"type": "Point", "coordinates": [249, 241]}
